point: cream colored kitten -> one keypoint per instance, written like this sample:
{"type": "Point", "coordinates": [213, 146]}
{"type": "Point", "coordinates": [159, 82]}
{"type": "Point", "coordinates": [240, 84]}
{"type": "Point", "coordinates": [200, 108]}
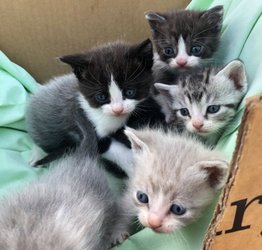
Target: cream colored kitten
{"type": "Point", "coordinates": [174, 178]}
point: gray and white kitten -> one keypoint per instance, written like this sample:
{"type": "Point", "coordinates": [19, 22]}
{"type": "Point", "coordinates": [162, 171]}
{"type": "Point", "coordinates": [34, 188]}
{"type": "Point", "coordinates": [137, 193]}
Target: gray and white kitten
{"type": "Point", "coordinates": [185, 39]}
{"type": "Point", "coordinates": [107, 84]}
{"type": "Point", "coordinates": [169, 189]}
{"type": "Point", "coordinates": [204, 101]}
{"type": "Point", "coordinates": [69, 208]}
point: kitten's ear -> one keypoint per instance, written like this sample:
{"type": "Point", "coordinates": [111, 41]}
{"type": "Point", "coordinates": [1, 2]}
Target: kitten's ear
{"type": "Point", "coordinates": [161, 87]}
{"type": "Point", "coordinates": [144, 52]}
{"type": "Point", "coordinates": [214, 16]}
{"type": "Point", "coordinates": [78, 62]}
{"type": "Point", "coordinates": [167, 90]}
{"type": "Point", "coordinates": [235, 71]}
{"type": "Point", "coordinates": [154, 17]}
{"type": "Point", "coordinates": [74, 60]}
{"type": "Point", "coordinates": [215, 172]}
{"type": "Point", "coordinates": [155, 20]}
{"type": "Point", "coordinates": [138, 146]}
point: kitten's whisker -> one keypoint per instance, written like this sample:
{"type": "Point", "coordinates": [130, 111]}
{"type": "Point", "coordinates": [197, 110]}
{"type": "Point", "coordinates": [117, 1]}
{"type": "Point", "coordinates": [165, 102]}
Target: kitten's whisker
{"type": "Point", "coordinates": [137, 75]}
{"type": "Point", "coordinates": [202, 31]}
{"type": "Point", "coordinates": [134, 72]}
{"type": "Point", "coordinates": [201, 37]}
{"type": "Point", "coordinates": [184, 239]}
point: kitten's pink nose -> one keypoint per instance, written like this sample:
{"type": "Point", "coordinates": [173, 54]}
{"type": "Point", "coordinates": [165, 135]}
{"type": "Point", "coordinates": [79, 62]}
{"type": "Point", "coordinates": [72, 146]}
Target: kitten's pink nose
{"type": "Point", "coordinates": [118, 109]}
{"type": "Point", "coordinates": [154, 221]}
{"type": "Point", "coordinates": [181, 62]}
{"type": "Point", "coordinates": [197, 124]}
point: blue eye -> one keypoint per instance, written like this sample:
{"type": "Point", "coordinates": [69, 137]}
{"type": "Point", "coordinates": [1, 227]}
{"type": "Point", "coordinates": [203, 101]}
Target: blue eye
{"type": "Point", "coordinates": [142, 197]}
{"type": "Point", "coordinates": [129, 93]}
{"type": "Point", "coordinates": [196, 50]}
{"type": "Point", "coordinates": [184, 112]}
{"type": "Point", "coordinates": [102, 98]}
{"type": "Point", "coordinates": [213, 109]}
{"type": "Point", "coordinates": [177, 210]}
{"type": "Point", "coordinates": [169, 51]}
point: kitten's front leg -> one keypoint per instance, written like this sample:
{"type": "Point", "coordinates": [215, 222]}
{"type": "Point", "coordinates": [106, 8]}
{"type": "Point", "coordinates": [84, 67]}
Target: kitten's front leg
{"type": "Point", "coordinates": [121, 155]}
{"type": "Point", "coordinates": [125, 215]}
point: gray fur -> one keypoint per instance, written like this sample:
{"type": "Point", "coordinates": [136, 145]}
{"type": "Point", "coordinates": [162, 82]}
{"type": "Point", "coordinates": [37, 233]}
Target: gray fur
{"type": "Point", "coordinates": [172, 169]}
{"type": "Point", "coordinates": [197, 91]}
{"type": "Point", "coordinates": [69, 208]}
{"type": "Point", "coordinates": [54, 112]}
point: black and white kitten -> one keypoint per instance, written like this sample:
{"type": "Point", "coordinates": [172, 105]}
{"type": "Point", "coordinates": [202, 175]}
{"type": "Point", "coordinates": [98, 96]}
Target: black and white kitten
{"type": "Point", "coordinates": [206, 100]}
{"type": "Point", "coordinates": [107, 84]}
{"type": "Point", "coordinates": [184, 39]}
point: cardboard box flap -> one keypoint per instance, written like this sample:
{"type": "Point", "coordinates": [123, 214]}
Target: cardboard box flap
{"type": "Point", "coordinates": [237, 222]}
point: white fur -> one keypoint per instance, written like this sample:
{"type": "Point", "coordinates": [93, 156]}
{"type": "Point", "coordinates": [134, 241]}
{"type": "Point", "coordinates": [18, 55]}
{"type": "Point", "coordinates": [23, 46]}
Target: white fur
{"type": "Point", "coordinates": [37, 153]}
{"type": "Point", "coordinates": [103, 123]}
{"type": "Point", "coordinates": [117, 102]}
{"type": "Point", "coordinates": [164, 171]}
{"type": "Point", "coordinates": [121, 155]}
{"type": "Point", "coordinates": [182, 54]}
{"type": "Point", "coordinates": [116, 96]}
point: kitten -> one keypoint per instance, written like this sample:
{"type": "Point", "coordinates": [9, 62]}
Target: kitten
{"type": "Point", "coordinates": [205, 101]}
{"type": "Point", "coordinates": [184, 39]}
{"type": "Point", "coordinates": [70, 207]}
{"type": "Point", "coordinates": [169, 189]}
{"type": "Point", "coordinates": [107, 84]}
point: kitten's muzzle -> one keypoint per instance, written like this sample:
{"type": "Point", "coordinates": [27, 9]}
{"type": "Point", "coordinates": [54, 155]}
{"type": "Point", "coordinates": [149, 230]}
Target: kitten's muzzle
{"type": "Point", "coordinates": [181, 62]}
{"type": "Point", "coordinates": [154, 221]}
{"type": "Point", "coordinates": [117, 109]}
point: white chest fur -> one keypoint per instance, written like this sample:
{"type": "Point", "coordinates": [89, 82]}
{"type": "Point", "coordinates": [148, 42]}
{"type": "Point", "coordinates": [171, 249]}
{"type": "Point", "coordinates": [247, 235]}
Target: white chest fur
{"type": "Point", "coordinates": [103, 123]}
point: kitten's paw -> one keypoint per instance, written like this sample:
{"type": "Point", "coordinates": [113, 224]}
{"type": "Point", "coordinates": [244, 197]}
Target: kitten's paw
{"type": "Point", "coordinates": [118, 238]}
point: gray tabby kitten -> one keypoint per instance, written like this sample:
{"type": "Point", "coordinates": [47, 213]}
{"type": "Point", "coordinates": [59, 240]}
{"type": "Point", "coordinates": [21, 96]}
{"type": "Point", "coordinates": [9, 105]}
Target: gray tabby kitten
{"type": "Point", "coordinates": [107, 84]}
{"type": "Point", "coordinates": [184, 39]}
{"type": "Point", "coordinates": [205, 101]}
{"type": "Point", "coordinates": [69, 208]}
{"type": "Point", "coordinates": [169, 189]}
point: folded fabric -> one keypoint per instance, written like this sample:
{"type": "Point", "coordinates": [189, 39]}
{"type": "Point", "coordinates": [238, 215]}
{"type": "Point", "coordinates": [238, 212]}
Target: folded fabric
{"type": "Point", "coordinates": [15, 145]}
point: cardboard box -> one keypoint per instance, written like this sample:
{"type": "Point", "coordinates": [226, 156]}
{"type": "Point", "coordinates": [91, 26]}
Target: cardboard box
{"type": "Point", "coordinates": [237, 223]}
{"type": "Point", "coordinates": [34, 33]}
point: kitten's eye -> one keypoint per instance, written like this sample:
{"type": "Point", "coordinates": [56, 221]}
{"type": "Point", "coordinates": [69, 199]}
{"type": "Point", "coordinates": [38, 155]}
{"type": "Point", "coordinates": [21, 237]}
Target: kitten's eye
{"type": "Point", "coordinates": [142, 197]}
{"type": "Point", "coordinates": [196, 50]}
{"type": "Point", "coordinates": [213, 109]}
{"type": "Point", "coordinates": [177, 210]}
{"type": "Point", "coordinates": [169, 51]}
{"type": "Point", "coordinates": [184, 112]}
{"type": "Point", "coordinates": [102, 98]}
{"type": "Point", "coordinates": [129, 93]}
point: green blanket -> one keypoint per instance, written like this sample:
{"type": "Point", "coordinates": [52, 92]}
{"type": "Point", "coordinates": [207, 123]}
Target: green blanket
{"type": "Point", "coordinates": [240, 39]}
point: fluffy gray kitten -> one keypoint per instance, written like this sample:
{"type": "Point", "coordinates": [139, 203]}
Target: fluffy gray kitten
{"type": "Point", "coordinates": [69, 208]}
{"type": "Point", "coordinates": [175, 177]}
{"type": "Point", "coordinates": [204, 101]}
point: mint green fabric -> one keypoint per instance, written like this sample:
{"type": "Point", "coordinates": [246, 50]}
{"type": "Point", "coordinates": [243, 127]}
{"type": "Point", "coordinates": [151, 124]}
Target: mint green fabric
{"type": "Point", "coordinates": [15, 144]}
{"type": "Point", "coordinates": [240, 39]}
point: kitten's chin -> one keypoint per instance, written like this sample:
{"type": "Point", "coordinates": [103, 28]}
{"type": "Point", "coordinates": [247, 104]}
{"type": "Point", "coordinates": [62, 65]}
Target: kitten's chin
{"type": "Point", "coordinates": [162, 230]}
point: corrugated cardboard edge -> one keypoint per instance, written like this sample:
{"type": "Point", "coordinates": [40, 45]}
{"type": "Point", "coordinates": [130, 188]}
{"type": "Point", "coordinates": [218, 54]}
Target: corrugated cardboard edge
{"type": "Point", "coordinates": [218, 214]}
